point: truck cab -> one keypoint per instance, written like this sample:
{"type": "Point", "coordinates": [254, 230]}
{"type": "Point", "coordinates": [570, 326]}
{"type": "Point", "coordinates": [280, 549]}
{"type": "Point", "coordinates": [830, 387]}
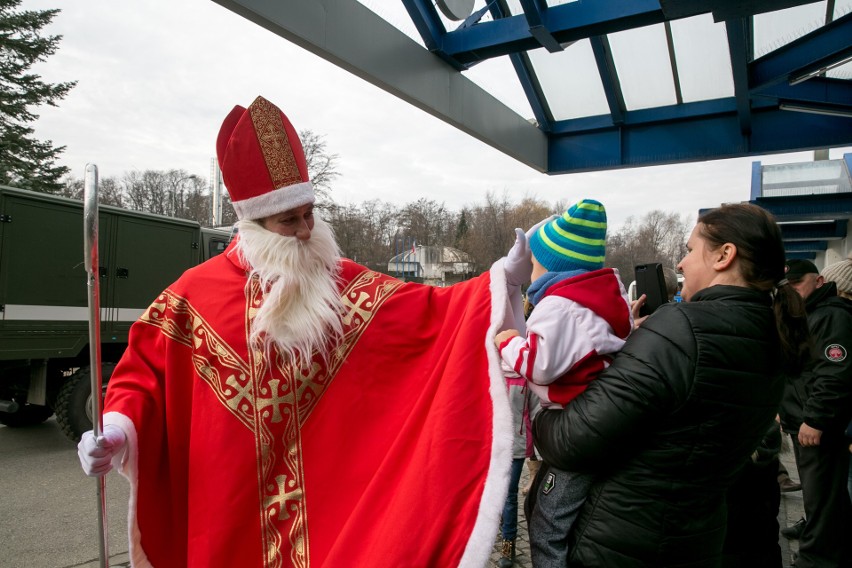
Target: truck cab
{"type": "Point", "coordinates": [44, 342]}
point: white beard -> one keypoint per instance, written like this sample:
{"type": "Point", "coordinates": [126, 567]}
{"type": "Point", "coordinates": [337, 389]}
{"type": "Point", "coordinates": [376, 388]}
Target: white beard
{"type": "Point", "coordinates": [301, 308]}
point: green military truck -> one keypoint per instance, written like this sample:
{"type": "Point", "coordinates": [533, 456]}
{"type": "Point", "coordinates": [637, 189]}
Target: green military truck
{"type": "Point", "coordinates": [44, 341]}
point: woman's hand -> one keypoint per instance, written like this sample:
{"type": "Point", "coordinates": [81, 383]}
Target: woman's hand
{"type": "Point", "coordinates": [504, 335]}
{"type": "Point", "coordinates": [635, 307]}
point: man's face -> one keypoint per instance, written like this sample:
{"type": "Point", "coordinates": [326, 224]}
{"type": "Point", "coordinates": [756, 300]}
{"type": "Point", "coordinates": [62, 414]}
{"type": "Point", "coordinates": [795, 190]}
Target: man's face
{"type": "Point", "coordinates": [806, 285]}
{"type": "Point", "coordinates": [297, 222]}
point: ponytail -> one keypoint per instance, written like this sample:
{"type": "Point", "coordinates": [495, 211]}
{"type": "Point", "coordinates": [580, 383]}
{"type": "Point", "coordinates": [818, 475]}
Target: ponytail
{"type": "Point", "coordinates": [791, 321]}
{"type": "Point", "coordinates": [760, 248]}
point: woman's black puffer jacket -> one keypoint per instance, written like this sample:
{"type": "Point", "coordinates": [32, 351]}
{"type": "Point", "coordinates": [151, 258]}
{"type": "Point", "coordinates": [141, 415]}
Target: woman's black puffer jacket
{"type": "Point", "coordinates": [666, 428]}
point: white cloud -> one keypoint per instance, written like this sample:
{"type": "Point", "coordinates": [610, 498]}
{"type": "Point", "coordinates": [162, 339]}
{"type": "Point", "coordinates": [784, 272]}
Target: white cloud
{"type": "Point", "coordinates": [156, 78]}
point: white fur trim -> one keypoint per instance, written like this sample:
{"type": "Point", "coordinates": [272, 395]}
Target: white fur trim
{"type": "Point", "coordinates": [276, 201]}
{"type": "Point", "coordinates": [129, 468]}
{"type": "Point", "coordinates": [481, 540]}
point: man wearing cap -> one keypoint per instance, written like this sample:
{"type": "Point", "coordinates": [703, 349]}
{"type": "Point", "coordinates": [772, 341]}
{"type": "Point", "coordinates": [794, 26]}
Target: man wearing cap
{"type": "Point", "coordinates": [815, 410]}
{"type": "Point", "coordinates": [279, 406]}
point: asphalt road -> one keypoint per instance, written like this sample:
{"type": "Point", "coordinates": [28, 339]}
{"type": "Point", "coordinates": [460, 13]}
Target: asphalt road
{"type": "Point", "coordinates": [48, 507]}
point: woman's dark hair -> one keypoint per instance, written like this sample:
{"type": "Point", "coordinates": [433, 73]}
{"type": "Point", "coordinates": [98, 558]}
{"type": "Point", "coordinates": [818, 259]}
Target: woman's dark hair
{"type": "Point", "coordinates": [760, 250]}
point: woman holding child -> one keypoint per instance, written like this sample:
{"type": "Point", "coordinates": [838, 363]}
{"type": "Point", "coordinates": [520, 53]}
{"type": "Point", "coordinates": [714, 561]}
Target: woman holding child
{"type": "Point", "coordinates": [666, 428]}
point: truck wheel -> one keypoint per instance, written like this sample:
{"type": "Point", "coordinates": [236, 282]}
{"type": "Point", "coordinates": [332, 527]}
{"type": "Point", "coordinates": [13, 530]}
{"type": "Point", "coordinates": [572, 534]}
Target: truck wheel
{"type": "Point", "coordinates": [27, 415]}
{"type": "Point", "coordinates": [74, 401]}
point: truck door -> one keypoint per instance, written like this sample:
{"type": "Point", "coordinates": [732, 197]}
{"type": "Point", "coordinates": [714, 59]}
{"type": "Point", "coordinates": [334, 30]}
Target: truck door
{"type": "Point", "coordinates": [149, 254]}
{"type": "Point", "coordinates": [43, 289]}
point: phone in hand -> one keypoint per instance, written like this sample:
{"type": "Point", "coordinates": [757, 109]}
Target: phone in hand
{"type": "Point", "coordinates": [651, 282]}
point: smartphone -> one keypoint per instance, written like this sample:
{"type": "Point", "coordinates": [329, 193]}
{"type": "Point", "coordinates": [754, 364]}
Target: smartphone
{"type": "Point", "coordinates": [650, 281]}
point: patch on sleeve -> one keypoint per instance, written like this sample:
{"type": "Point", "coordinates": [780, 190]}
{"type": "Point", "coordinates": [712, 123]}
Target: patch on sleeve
{"type": "Point", "coordinates": [835, 353]}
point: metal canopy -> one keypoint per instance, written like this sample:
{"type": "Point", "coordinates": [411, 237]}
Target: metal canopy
{"type": "Point", "coordinates": [598, 84]}
{"type": "Point", "coordinates": [811, 200]}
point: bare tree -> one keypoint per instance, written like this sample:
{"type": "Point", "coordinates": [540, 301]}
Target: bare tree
{"type": "Point", "coordinates": [322, 166]}
{"type": "Point", "coordinates": [657, 237]}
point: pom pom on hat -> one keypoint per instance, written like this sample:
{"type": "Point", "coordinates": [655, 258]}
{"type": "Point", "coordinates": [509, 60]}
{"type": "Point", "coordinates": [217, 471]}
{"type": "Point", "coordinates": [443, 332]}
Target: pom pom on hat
{"type": "Point", "coordinates": [841, 274]}
{"type": "Point", "coordinates": [574, 241]}
{"type": "Point", "coordinates": [262, 161]}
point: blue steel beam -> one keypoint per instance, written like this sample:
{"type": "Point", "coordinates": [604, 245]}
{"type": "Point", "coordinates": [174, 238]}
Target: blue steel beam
{"type": "Point", "coordinates": [826, 45]}
{"type": "Point", "coordinates": [739, 46]}
{"type": "Point", "coordinates": [609, 78]}
{"type": "Point", "coordinates": [827, 206]}
{"type": "Point", "coordinates": [566, 23]}
{"type": "Point", "coordinates": [426, 20]}
{"type": "Point", "coordinates": [694, 138]}
{"type": "Point", "coordinates": [805, 246]}
{"type": "Point", "coordinates": [817, 90]}
{"type": "Point", "coordinates": [814, 231]}
{"type": "Point", "coordinates": [526, 75]}
{"type": "Point", "coordinates": [533, 10]}
{"type": "Point", "coordinates": [800, 255]}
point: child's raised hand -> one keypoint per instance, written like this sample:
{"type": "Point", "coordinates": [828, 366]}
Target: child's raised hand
{"type": "Point", "coordinates": [504, 335]}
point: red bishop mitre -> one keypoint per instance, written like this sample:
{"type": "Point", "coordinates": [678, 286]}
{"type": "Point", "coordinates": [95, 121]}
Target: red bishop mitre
{"type": "Point", "coordinates": [262, 161]}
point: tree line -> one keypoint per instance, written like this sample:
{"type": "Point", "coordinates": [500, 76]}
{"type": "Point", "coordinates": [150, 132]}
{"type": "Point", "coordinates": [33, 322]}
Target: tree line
{"type": "Point", "coordinates": [374, 231]}
{"type": "Point", "coordinates": [371, 232]}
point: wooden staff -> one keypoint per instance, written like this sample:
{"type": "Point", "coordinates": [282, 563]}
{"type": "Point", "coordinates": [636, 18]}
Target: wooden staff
{"type": "Point", "coordinates": [90, 251]}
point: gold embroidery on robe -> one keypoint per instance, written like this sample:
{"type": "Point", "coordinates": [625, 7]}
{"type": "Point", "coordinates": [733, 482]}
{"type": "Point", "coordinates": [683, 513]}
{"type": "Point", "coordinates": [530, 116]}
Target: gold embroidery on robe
{"type": "Point", "coordinates": [273, 401]}
{"type": "Point", "coordinates": [215, 361]}
{"type": "Point", "coordinates": [283, 405]}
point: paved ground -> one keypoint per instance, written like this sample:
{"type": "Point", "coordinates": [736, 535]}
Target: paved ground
{"type": "Point", "coordinates": [48, 517]}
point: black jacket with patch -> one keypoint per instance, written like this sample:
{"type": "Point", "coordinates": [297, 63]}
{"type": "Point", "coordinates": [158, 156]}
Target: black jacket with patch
{"type": "Point", "coordinates": [822, 395]}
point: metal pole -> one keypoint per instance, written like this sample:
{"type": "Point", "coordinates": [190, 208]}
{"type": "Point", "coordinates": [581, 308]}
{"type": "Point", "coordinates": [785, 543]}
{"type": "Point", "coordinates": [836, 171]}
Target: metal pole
{"type": "Point", "coordinates": [90, 252]}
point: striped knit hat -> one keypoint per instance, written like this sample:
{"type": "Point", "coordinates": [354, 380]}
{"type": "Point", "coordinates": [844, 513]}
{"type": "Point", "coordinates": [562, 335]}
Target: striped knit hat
{"type": "Point", "coordinates": [575, 241]}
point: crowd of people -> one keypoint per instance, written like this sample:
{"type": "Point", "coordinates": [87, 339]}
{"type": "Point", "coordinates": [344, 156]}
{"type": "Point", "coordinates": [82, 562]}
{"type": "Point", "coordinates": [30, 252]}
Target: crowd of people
{"type": "Point", "coordinates": [280, 405]}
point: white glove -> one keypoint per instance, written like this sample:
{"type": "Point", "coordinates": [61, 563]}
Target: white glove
{"type": "Point", "coordinates": [96, 455]}
{"type": "Point", "coordinates": [518, 264]}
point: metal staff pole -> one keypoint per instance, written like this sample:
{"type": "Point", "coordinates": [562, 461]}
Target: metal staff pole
{"type": "Point", "coordinates": [90, 251]}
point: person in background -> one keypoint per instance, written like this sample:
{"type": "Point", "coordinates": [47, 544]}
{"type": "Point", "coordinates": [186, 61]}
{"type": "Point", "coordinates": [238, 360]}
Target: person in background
{"type": "Point", "coordinates": [815, 411]}
{"type": "Point", "coordinates": [667, 428]}
{"type": "Point", "coordinates": [841, 274]}
{"type": "Point", "coordinates": [524, 405]}
{"type": "Point", "coordinates": [581, 317]}
{"type": "Point", "coordinates": [670, 277]}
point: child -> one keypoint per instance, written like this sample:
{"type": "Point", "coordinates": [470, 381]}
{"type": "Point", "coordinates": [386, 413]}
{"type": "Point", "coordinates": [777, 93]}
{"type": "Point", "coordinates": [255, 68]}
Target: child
{"type": "Point", "coordinates": [581, 318]}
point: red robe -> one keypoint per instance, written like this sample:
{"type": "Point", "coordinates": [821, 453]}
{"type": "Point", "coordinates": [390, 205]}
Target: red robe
{"type": "Point", "coordinates": [394, 452]}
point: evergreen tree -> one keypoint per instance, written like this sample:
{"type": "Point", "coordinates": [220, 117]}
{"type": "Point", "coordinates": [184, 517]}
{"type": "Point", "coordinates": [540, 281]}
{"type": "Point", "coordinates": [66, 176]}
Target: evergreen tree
{"type": "Point", "coordinates": [24, 161]}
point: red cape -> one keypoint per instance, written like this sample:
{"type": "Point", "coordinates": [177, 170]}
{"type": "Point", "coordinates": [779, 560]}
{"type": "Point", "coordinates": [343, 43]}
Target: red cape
{"type": "Point", "coordinates": [394, 452]}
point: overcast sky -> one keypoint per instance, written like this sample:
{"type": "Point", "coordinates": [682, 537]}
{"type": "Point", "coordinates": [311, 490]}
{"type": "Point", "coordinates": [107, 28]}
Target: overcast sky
{"type": "Point", "coordinates": [157, 77]}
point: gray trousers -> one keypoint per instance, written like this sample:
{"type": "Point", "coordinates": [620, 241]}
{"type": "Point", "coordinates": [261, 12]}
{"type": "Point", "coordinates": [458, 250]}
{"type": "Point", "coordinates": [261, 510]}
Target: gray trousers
{"type": "Point", "coordinates": [558, 499]}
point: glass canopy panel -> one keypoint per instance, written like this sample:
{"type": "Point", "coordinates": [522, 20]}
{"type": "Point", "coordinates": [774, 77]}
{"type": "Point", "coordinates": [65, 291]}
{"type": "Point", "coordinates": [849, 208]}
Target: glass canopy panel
{"type": "Point", "coordinates": [570, 81]}
{"type": "Point", "coordinates": [805, 178]}
{"type": "Point", "coordinates": [703, 63]}
{"type": "Point", "coordinates": [641, 58]}
{"type": "Point", "coordinates": [497, 76]}
{"type": "Point", "coordinates": [776, 29]}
